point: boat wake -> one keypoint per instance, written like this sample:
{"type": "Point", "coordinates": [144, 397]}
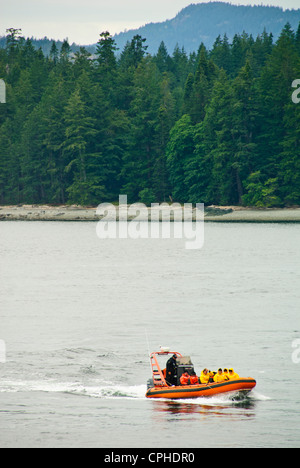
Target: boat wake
{"type": "Point", "coordinates": [224, 400]}
{"type": "Point", "coordinates": [109, 390]}
{"type": "Point", "coordinates": [259, 397]}
{"type": "Point", "coordinates": [97, 390]}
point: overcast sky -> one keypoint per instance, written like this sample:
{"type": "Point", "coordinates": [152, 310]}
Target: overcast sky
{"type": "Point", "coordinates": [82, 21]}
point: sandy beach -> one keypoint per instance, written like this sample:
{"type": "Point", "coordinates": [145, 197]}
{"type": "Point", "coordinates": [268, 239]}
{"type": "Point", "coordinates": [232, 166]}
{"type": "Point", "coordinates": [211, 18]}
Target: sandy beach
{"type": "Point", "coordinates": [212, 214]}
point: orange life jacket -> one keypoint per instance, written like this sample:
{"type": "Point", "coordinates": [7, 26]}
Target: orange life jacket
{"type": "Point", "coordinates": [185, 379]}
{"type": "Point", "coordinates": [194, 380]}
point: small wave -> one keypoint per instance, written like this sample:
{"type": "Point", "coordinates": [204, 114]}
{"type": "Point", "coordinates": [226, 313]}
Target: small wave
{"type": "Point", "coordinates": [218, 400]}
{"type": "Point", "coordinates": [259, 397]}
{"type": "Point", "coordinates": [225, 399]}
{"type": "Point", "coordinates": [79, 350]}
{"type": "Point", "coordinates": [32, 386]}
{"type": "Point", "coordinates": [112, 391]}
{"type": "Point", "coordinates": [88, 370]}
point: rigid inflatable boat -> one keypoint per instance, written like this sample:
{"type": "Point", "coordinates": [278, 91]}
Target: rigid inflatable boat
{"type": "Point", "coordinates": [158, 387]}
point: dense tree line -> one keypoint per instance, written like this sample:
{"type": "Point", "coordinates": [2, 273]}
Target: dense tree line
{"type": "Point", "coordinates": [218, 126]}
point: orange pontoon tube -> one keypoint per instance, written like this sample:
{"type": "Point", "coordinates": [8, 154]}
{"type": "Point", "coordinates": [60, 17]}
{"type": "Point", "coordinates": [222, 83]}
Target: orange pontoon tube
{"type": "Point", "coordinates": [158, 386]}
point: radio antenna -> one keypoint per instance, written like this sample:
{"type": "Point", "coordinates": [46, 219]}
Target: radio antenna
{"type": "Point", "coordinates": [147, 339]}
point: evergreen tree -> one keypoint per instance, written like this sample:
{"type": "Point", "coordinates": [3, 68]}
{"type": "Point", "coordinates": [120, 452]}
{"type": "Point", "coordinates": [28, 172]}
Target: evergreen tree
{"type": "Point", "coordinates": [244, 126]}
{"type": "Point", "coordinates": [181, 67]}
{"type": "Point", "coordinates": [139, 161]}
{"type": "Point", "coordinates": [162, 59]}
{"type": "Point", "coordinates": [33, 159]}
{"type": "Point", "coordinates": [13, 40]}
{"type": "Point", "coordinates": [289, 165]}
{"type": "Point", "coordinates": [133, 52]}
{"type": "Point", "coordinates": [188, 98]}
{"type": "Point", "coordinates": [130, 59]}
{"type": "Point", "coordinates": [106, 65]}
{"type": "Point", "coordinates": [200, 94]}
{"type": "Point", "coordinates": [54, 53]}
{"type": "Point", "coordinates": [86, 187]}
{"type": "Point", "coordinates": [180, 151]}
{"type": "Point", "coordinates": [297, 40]}
{"type": "Point", "coordinates": [221, 54]}
{"type": "Point", "coordinates": [274, 89]}
{"type": "Point", "coordinates": [65, 51]}
{"type": "Point", "coordinates": [166, 120]}
{"type": "Point", "coordinates": [198, 88]}
{"type": "Point", "coordinates": [105, 52]}
{"type": "Point", "coordinates": [220, 144]}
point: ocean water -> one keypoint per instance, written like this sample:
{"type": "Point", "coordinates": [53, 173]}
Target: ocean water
{"type": "Point", "coordinates": [78, 316]}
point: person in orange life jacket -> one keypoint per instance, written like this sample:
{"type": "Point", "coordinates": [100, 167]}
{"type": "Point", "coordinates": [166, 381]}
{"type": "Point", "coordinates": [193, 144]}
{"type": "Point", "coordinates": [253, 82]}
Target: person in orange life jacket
{"type": "Point", "coordinates": [194, 379]}
{"type": "Point", "coordinates": [220, 377]}
{"type": "Point", "coordinates": [185, 379]}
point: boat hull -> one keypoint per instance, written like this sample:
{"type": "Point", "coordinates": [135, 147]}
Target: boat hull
{"type": "Point", "coordinates": [241, 386]}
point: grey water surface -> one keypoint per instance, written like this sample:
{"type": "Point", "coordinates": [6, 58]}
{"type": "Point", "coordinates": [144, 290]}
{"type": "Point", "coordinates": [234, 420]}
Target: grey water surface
{"type": "Point", "coordinates": [77, 314]}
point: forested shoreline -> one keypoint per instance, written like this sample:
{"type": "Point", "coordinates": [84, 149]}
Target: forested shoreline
{"type": "Point", "coordinates": [218, 126]}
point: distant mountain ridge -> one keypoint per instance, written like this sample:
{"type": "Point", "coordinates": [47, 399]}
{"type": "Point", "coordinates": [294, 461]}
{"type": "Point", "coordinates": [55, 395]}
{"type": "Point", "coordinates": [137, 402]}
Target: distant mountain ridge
{"type": "Point", "coordinates": [197, 23]}
{"type": "Point", "coordinates": [204, 22]}
{"type": "Point", "coordinates": [46, 43]}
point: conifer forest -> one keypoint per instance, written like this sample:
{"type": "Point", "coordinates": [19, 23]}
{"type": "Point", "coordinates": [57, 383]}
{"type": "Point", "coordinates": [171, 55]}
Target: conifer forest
{"type": "Point", "coordinates": [215, 126]}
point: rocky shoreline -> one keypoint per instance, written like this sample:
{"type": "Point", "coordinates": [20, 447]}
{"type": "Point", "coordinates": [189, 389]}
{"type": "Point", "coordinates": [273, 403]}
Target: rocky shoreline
{"type": "Point", "coordinates": [212, 214]}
